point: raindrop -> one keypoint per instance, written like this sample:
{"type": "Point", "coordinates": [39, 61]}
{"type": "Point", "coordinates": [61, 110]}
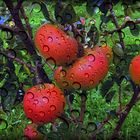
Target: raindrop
{"type": "Point", "coordinates": [137, 41]}
{"type": "Point", "coordinates": [91, 127]}
{"type": "Point", "coordinates": [53, 108]}
{"type": "Point", "coordinates": [36, 101]}
{"type": "Point", "coordinates": [30, 95]}
{"type": "Point", "coordinates": [86, 75]}
{"type": "Point", "coordinates": [51, 60]}
{"type": "Point", "coordinates": [45, 99]}
{"type": "Point", "coordinates": [91, 57]}
{"type": "Point", "coordinates": [48, 93]}
{"type": "Point", "coordinates": [63, 73]}
{"type": "Point", "coordinates": [50, 39]}
{"type": "Point", "coordinates": [46, 48]}
{"type": "Point", "coordinates": [35, 133]}
{"type": "Point", "coordinates": [89, 66]}
{"type": "Point", "coordinates": [42, 114]}
{"type": "Point", "coordinates": [101, 62]}
{"type": "Point", "coordinates": [54, 92]}
{"type": "Point", "coordinates": [91, 82]}
{"type": "Point", "coordinates": [76, 85]}
{"type": "Point", "coordinates": [30, 110]}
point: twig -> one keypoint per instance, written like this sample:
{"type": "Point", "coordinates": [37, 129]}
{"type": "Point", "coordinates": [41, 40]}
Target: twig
{"type": "Point", "coordinates": [100, 126]}
{"type": "Point", "coordinates": [26, 21]}
{"type": "Point", "coordinates": [18, 60]}
{"type": "Point", "coordinates": [117, 26]}
{"type": "Point", "coordinates": [137, 21]}
{"type": "Point", "coordinates": [126, 112]}
{"type": "Point", "coordinates": [83, 107]}
{"type": "Point", "coordinates": [120, 98]}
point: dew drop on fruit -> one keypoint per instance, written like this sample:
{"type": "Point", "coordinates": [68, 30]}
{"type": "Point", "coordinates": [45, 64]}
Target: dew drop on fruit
{"type": "Point", "coordinates": [45, 99]}
{"type": "Point", "coordinates": [89, 66]}
{"type": "Point", "coordinates": [30, 110]}
{"type": "Point", "coordinates": [63, 73]}
{"type": "Point", "coordinates": [48, 93]}
{"type": "Point", "coordinates": [50, 39]}
{"type": "Point", "coordinates": [91, 82]}
{"type": "Point", "coordinates": [76, 85]}
{"type": "Point", "coordinates": [46, 48]}
{"type": "Point", "coordinates": [86, 75]}
{"type": "Point", "coordinates": [53, 108]}
{"type": "Point", "coordinates": [30, 95]}
{"type": "Point", "coordinates": [49, 112]}
{"type": "Point", "coordinates": [54, 93]}
{"type": "Point", "coordinates": [101, 62]}
{"type": "Point", "coordinates": [91, 57]}
{"type": "Point", "coordinates": [36, 101]}
{"type": "Point", "coordinates": [42, 114]}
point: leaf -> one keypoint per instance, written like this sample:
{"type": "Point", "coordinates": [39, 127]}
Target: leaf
{"type": "Point", "coordinates": [135, 31]}
{"type": "Point", "coordinates": [106, 86]}
{"type": "Point", "coordinates": [64, 14]}
{"type": "Point", "coordinates": [109, 96]}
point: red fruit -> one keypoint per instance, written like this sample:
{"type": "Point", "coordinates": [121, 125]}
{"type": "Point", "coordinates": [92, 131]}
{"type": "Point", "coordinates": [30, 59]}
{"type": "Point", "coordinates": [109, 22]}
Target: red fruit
{"type": "Point", "coordinates": [55, 44]}
{"type": "Point", "coordinates": [31, 132]}
{"type": "Point", "coordinates": [134, 69]}
{"type": "Point", "coordinates": [43, 103]}
{"type": "Point", "coordinates": [88, 71]}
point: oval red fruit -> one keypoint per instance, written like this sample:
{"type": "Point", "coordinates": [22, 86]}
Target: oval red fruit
{"type": "Point", "coordinates": [55, 44]}
{"type": "Point", "coordinates": [134, 69]}
{"type": "Point", "coordinates": [43, 103]}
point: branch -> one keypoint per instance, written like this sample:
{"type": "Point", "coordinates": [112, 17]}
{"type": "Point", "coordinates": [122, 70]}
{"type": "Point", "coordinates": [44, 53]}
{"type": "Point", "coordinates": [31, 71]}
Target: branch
{"type": "Point", "coordinates": [18, 60]}
{"type": "Point", "coordinates": [29, 29]}
{"type": "Point", "coordinates": [117, 26]}
{"type": "Point", "coordinates": [100, 126]}
{"type": "Point", "coordinates": [124, 25]}
{"type": "Point", "coordinates": [126, 112]}
{"type": "Point", "coordinates": [83, 106]}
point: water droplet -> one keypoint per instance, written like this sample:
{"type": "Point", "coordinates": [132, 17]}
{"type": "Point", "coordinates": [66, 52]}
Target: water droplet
{"type": "Point", "coordinates": [76, 85]}
{"type": "Point", "coordinates": [91, 57]}
{"type": "Point", "coordinates": [91, 82]}
{"type": "Point", "coordinates": [101, 62]}
{"type": "Point", "coordinates": [45, 99]}
{"type": "Point", "coordinates": [36, 101]}
{"type": "Point", "coordinates": [42, 114]}
{"type": "Point", "coordinates": [89, 66]}
{"type": "Point", "coordinates": [48, 93]}
{"type": "Point", "coordinates": [53, 108]}
{"type": "Point", "coordinates": [46, 48]}
{"type": "Point", "coordinates": [68, 57]}
{"type": "Point", "coordinates": [49, 112]}
{"type": "Point", "coordinates": [54, 92]}
{"type": "Point", "coordinates": [30, 110]}
{"type": "Point", "coordinates": [50, 39]}
{"type": "Point", "coordinates": [63, 73]}
{"type": "Point", "coordinates": [30, 95]}
{"type": "Point", "coordinates": [86, 75]}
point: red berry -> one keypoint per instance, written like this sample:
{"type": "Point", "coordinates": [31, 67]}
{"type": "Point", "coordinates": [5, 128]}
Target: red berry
{"type": "Point", "coordinates": [134, 69]}
{"type": "Point", "coordinates": [55, 44]}
{"type": "Point", "coordinates": [43, 103]}
{"type": "Point", "coordinates": [86, 72]}
{"type": "Point", "coordinates": [31, 132]}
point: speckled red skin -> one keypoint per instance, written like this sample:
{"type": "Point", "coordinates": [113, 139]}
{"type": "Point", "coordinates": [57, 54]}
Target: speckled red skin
{"type": "Point", "coordinates": [43, 103]}
{"type": "Point", "coordinates": [86, 72]}
{"type": "Point", "coordinates": [134, 69]}
{"type": "Point", "coordinates": [54, 43]}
